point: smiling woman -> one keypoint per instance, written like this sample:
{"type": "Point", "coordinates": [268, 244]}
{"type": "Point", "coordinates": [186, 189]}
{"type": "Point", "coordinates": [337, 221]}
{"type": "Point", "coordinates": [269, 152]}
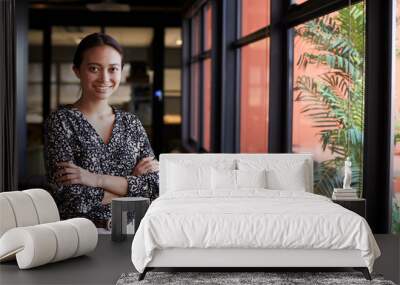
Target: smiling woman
{"type": "Point", "coordinates": [94, 152]}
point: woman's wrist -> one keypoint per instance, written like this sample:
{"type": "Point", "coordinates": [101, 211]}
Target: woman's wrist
{"type": "Point", "coordinates": [99, 180]}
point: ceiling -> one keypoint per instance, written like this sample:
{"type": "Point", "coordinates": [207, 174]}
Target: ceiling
{"type": "Point", "coordinates": [111, 5]}
{"type": "Point", "coordinates": [126, 36]}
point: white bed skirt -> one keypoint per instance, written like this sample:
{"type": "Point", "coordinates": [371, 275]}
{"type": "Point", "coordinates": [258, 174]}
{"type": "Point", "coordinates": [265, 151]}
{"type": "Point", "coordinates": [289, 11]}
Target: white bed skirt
{"type": "Point", "coordinates": [190, 257]}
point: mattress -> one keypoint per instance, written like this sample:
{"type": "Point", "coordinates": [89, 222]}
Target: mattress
{"type": "Point", "coordinates": [251, 219]}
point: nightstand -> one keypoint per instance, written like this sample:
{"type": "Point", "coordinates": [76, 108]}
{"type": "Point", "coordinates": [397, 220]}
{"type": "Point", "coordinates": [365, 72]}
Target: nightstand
{"type": "Point", "coordinates": [358, 206]}
{"type": "Point", "coordinates": [119, 213]}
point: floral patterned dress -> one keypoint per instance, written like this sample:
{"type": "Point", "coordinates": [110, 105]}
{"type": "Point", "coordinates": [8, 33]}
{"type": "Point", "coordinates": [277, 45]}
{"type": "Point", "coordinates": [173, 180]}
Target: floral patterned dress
{"type": "Point", "coordinates": [68, 136]}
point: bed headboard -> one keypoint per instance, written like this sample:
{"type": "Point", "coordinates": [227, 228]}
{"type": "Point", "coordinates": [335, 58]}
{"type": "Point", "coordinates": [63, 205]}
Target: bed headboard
{"type": "Point", "coordinates": [232, 161]}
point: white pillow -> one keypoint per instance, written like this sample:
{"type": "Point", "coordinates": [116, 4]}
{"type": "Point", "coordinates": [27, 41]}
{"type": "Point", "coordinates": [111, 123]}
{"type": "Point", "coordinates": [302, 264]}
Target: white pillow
{"type": "Point", "coordinates": [281, 174]}
{"type": "Point", "coordinates": [292, 179]}
{"type": "Point", "coordinates": [251, 178]}
{"type": "Point", "coordinates": [181, 177]}
{"type": "Point", "coordinates": [223, 179]}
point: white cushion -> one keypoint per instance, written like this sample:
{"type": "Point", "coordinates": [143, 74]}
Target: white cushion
{"type": "Point", "coordinates": [37, 245]}
{"type": "Point", "coordinates": [34, 244]}
{"type": "Point", "coordinates": [45, 206]}
{"type": "Point", "coordinates": [87, 235]}
{"type": "Point", "coordinates": [67, 239]}
{"type": "Point", "coordinates": [251, 178]}
{"type": "Point", "coordinates": [282, 174]}
{"type": "Point", "coordinates": [7, 218]}
{"type": "Point", "coordinates": [182, 177]}
{"type": "Point", "coordinates": [23, 208]}
{"type": "Point", "coordinates": [26, 208]}
{"type": "Point", "coordinates": [290, 180]}
{"type": "Point", "coordinates": [230, 180]}
{"type": "Point", "coordinates": [223, 179]}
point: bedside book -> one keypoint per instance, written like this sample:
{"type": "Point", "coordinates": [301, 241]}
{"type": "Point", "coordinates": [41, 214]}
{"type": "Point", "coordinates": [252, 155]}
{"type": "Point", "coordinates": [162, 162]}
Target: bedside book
{"type": "Point", "coordinates": [344, 190]}
{"type": "Point", "coordinates": [338, 197]}
{"type": "Point", "coordinates": [344, 194]}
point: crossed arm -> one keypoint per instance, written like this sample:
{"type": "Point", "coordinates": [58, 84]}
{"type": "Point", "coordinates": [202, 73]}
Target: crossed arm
{"type": "Point", "coordinates": [113, 186]}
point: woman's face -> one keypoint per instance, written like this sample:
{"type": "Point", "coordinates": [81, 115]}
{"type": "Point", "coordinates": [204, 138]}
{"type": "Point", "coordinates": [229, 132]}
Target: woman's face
{"type": "Point", "coordinates": [99, 72]}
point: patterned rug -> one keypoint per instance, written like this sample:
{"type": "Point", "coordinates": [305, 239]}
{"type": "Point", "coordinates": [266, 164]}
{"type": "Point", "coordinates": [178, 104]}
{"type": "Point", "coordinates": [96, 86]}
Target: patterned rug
{"type": "Point", "coordinates": [269, 278]}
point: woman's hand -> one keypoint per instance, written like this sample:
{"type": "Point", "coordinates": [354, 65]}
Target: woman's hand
{"type": "Point", "coordinates": [146, 165]}
{"type": "Point", "coordinates": [69, 174]}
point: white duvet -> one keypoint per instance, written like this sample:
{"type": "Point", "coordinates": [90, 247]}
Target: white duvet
{"type": "Point", "coordinates": [252, 218]}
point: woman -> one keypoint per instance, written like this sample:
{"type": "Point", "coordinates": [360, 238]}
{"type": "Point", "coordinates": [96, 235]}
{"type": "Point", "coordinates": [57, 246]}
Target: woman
{"type": "Point", "coordinates": [93, 151]}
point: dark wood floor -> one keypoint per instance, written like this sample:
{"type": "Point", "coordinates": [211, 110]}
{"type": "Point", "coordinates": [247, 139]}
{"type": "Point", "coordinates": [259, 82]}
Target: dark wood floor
{"type": "Point", "coordinates": [110, 260]}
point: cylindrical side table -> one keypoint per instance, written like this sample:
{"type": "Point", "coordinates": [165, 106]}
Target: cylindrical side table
{"type": "Point", "coordinates": [119, 214]}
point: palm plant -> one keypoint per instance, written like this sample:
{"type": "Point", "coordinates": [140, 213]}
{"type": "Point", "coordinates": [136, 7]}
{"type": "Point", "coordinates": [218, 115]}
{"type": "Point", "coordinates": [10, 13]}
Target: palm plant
{"type": "Point", "coordinates": [334, 100]}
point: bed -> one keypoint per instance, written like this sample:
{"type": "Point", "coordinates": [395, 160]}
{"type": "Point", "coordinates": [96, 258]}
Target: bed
{"type": "Point", "coordinates": [246, 211]}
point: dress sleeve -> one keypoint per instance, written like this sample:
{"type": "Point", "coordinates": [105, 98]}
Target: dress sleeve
{"type": "Point", "coordinates": [58, 148]}
{"type": "Point", "coordinates": [144, 185]}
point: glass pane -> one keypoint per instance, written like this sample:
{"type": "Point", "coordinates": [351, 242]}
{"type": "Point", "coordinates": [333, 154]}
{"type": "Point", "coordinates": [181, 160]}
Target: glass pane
{"type": "Point", "coordinates": [254, 97]}
{"type": "Point", "coordinates": [70, 36]}
{"type": "Point", "coordinates": [172, 99]}
{"type": "Point", "coordinates": [396, 154]}
{"type": "Point", "coordinates": [255, 15]}
{"type": "Point", "coordinates": [208, 28]}
{"type": "Point", "coordinates": [35, 72]}
{"type": "Point", "coordinates": [328, 106]}
{"type": "Point", "coordinates": [195, 35]}
{"type": "Point", "coordinates": [173, 38]}
{"type": "Point", "coordinates": [34, 98]}
{"type": "Point", "coordinates": [194, 102]}
{"type": "Point", "coordinates": [131, 37]}
{"type": "Point", "coordinates": [207, 105]}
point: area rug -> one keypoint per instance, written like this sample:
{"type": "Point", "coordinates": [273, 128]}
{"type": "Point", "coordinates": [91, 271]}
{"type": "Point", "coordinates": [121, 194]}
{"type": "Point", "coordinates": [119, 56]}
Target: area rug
{"type": "Point", "coordinates": [268, 278]}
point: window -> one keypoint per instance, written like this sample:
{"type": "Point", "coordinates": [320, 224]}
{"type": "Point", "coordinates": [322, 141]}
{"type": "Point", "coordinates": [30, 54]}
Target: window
{"type": "Point", "coordinates": [172, 100]}
{"type": "Point", "coordinates": [254, 77]}
{"type": "Point", "coordinates": [255, 15]}
{"type": "Point", "coordinates": [194, 103]}
{"type": "Point", "coordinates": [200, 78]}
{"type": "Point", "coordinates": [196, 35]}
{"type": "Point", "coordinates": [208, 28]}
{"type": "Point", "coordinates": [207, 72]}
{"type": "Point", "coordinates": [328, 95]}
{"type": "Point", "coordinates": [254, 97]}
{"type": "Point", "coordinates": [207, 104]}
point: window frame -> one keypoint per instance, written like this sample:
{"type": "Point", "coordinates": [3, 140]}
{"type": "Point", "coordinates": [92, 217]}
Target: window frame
{"type": "Point", "coordinates": [284, 16]}
{"type": "Point", "coordinates": [190, 59]}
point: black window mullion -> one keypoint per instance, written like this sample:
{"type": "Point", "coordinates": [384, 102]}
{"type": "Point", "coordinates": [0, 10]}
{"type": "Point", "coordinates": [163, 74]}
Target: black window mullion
{"type": "Point", "coordinates": [290, 33]}
{"type": "Point", "coordinates": [279, 125]}
{"type": "Point", "coordinates": [238, 76]}
{"type": "Point", "coordinates": [377, 143]}
{"type": "Point", "coordinates": [201, 82]}
{"type": "Point", "coordinates": [201, 56]}
{"type": "Point", "coordinates": [298, 14]}
{"type": "Point", "coordinates": [215, 71]}
{"type": "Point", "coordinates": [253, 37]}
{"type": "Point", "coordinates": [186, 83]}
{"type": "Point", "coordinates": [227, 78]}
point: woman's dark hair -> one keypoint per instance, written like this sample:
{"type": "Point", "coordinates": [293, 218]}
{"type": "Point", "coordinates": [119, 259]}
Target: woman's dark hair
{"type": "Point", "coordinates": [95, 40]}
